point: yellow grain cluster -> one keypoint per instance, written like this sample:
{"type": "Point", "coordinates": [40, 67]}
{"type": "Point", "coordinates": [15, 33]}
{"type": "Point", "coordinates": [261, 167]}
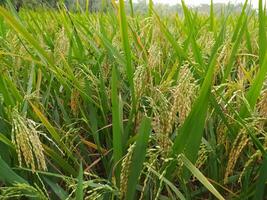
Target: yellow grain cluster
{"type": "Point", "coordinates": [202, 155]}
{"type": "Point", "coordinates": [61, 45]}
{"type": "Point", "coordinates": [183, 97]}
{"type": "Point", "coordinates": [74, 101]}
{"type": "Point", "coordinates": [263, 104]}
{"type": "Point", "coordinates": [239, 144]}
{"type": "Point", "coordinates": [126, 162]}
{"type": "Point", "coordinates": [25, 137]}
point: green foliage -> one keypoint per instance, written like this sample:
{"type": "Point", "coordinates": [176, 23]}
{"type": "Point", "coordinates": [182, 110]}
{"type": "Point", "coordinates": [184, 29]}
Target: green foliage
{"type": "Point", "coordinates": [149, 105]}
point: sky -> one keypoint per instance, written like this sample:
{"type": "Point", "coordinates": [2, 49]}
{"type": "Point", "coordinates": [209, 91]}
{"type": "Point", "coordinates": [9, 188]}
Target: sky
{"type": "Point", "coordinates": [198, 2]}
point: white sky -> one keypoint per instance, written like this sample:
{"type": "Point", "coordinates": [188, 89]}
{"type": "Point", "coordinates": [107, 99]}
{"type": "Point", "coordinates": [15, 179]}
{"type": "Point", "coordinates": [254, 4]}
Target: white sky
{"type": "Point", "coordinates": [198, 2]}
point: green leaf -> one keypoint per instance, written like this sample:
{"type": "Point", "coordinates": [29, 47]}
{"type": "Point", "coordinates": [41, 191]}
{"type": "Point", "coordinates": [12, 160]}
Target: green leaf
{"type": "Point", "coordinates": [255, 89]}
{"type": "Point", "coordinates": [200, 177]}
{"type": "Point", "coordinates": [127, 49]}
{"type": "Point", "coordinates": [239, 22]}
{"type": "Point", "coordinates": [178, 49]}
{"type": "Point", "coordinates": [132, 9]}
{"type": "Point", "coordinates": [262, 32]}
{"type": "Point", "coordinates": [138, 158]}
{"type": "Point", "coordinates": [234, 52]}
{"type": "Point", "coordinates": [57, 158]}
{"type": "Point", "coordinates": [261, 183]}
{"type": "Point", "coordinates": [150, 8]}
{"type": "Point", "coordinates": [62, 194]}
{"type": "Point", "coordinates": [169, 183]}
{"type": "Point", "coordinates": [211, 15]}
{"type": "Point", "coordinates": [6, 141]}
{"type": "Point", "coordinates": [8, 175]}
{"type": "Point", "coordinates": [18, 27]}
{"type": "Point", "coordinates": [79, 189]}
{"type": "Point", "coordinates": [117, 125]}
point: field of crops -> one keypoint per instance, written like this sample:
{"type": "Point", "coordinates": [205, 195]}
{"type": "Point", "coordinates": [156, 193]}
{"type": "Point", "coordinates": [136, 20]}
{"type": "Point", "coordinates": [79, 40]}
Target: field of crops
{"type": "Point", "coordinates": [117, 106]}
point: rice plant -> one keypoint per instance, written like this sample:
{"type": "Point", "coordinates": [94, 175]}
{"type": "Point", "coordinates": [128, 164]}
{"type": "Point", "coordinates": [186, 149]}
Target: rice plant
{"type": "Point", "coordinates": [118, 105]}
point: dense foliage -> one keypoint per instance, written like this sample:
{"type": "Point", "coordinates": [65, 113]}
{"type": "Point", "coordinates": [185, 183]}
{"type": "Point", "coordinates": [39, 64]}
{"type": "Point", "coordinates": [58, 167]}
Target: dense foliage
{"type": "Point", "coordinates": [109, 106]}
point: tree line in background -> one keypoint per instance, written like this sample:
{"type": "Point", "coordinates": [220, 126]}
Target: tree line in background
{"type": "Point", "coordinates": [140, 7]}
{"type": "Point", "coordinates": [92, 5]}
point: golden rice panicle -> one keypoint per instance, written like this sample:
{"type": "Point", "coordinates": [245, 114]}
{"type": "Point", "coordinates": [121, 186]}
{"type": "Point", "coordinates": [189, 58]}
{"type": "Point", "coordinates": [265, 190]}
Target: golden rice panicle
{"type": "Point", "coordinates": [206, 41]}
{"type": "Point", "coordinates": [240, 143]}
{"type": "Point", "coordinates": [222, 137]}
{"type": "Point", "coordinates": [153, 163]}
{"type": "Point", "coordinates": [140, 80]}
{"type": "Point", "coordinates": [224, 55]}
{"type": "Point", "coordinates": [37, 147]}
{"type": "Point", "coordinates": [256, 156]}
{"type": "Point", "coordinates": [25, 137]}
{"type": "Point", "coordinates": [93, 194]}
{"type": "Point", "coordinates": [74, 101]}
{"type": "Point", "coordinates": [202, 155]}
{"type": "Point", "coordinates": [126, 162]}
{"type": "Point", "coordinates": [61, 45]}
{"type": "Point", "coordinates": [164, 142]}
{"type": "Point", "coordinates": [165, 110]}
{"type": "Point", "coordinates": [184, 96]}
{"type": "Point", "coordinates": [75, 97]}
{"type": "Point", "coordinates": [160, 108]}
{"type": "Point", "coordinates": [155, 56]}
{"type": "Point", "coordinates": [262, 106]}
{"type": "Point", "coordinates": [18, 189]}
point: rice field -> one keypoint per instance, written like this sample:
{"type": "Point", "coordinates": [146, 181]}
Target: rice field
{"type": "Point", "coordinates": [119, 105]}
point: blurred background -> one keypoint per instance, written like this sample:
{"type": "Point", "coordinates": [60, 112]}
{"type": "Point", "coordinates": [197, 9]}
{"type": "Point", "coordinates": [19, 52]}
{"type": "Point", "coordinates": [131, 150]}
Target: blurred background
{"type": "Point", "coordinates": [163, 7]}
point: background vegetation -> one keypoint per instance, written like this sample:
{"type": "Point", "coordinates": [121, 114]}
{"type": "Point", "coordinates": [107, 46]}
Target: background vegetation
{"type": "Point", "coordinates": [123, 104]}
{"type": "Point", "coordinates": [140, 7]}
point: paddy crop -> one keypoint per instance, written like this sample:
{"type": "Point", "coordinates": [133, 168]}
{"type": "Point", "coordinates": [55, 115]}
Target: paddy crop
{"type": "Point", "coordinates": [117, 106]}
